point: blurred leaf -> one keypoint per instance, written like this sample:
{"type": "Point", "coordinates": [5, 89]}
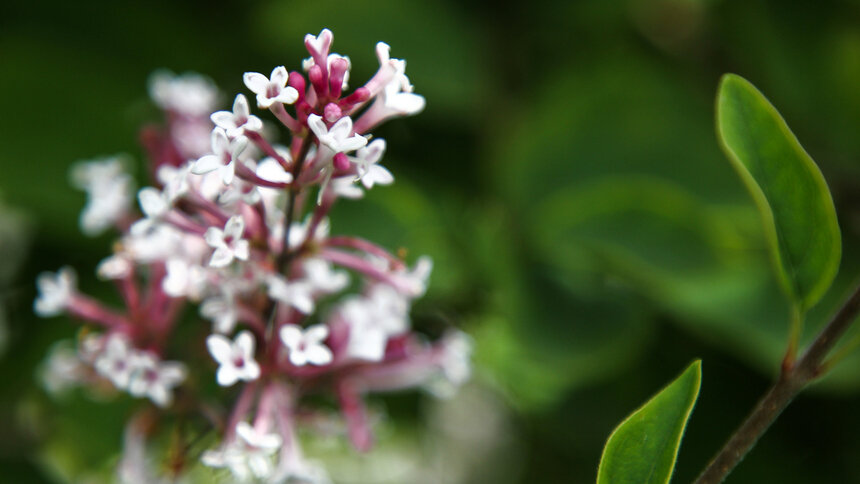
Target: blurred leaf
{"type": "Point", "coordinates": [644, 447]}
{"type": "Point", "coordinates": [537, 340]}
{"type": "Point", "coordinates": [792, 196]}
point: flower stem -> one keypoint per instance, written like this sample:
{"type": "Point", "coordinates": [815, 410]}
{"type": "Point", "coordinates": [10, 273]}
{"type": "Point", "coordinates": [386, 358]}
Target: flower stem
{"type": "Point", "coordinates": [286, 254]}
{"type": "Point", "coordinates": [792, 381]}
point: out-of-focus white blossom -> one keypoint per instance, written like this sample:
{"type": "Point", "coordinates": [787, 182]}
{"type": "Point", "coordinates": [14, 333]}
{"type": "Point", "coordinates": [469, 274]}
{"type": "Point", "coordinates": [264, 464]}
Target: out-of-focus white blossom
{"type": "Point", "coordinates": [306, 345]}
{"type": "Point", "coordinates": [55, 291]}
{"type": "Point", "coordinates": [236, 358]}
{"type": "Point", "coordinates": [109, 190]}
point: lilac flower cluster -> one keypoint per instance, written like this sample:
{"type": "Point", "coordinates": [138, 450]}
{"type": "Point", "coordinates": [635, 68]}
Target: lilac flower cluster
{"type": "Point", "coordinates": [238, 224]}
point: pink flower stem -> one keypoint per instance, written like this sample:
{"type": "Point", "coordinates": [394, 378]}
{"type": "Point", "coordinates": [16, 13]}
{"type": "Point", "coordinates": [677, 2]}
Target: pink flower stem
{"type": "Point", "coordinates": [278, 110]}
{"type": "Point", "coordinates": [129, 292]}
{"type": "Point", "coordinates": [291, 454]}
{"type": "Point", "coordinates": [265, 409]}
{"type": "Point", "coordinates": [240, 410]}
{"type": "Point", "coordinates": [365, 246]}
{"type": "Point", "coordinates": [182, 222]}
{"type": "Point", "coordinates": [82, 307]}
{"type": "Point", "coordinates": [351, 261]}
{"type": "Point", "coordinates": [355, 414]}
{"type": "Point", "coordinates": [207, 206]}
{"type": "Point", "coordinates": [246, 174]}
{"type": "Point", "coordinates": [267, 148]}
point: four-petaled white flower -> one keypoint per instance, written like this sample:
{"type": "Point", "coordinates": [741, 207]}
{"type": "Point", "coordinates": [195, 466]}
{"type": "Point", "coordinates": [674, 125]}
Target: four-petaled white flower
{"type": "Point", "coordinates": [298, 294]}
{"type": "Point", "coordinates": [373, 319]}
{"type": "Point", "coordinates": [155, 379]}
{"type": "Point", "coordinates": [306, 345]}
{"type": "Point", "coordinates": [109, 190]}
{"type": "Point", "coordinates": [228, 243]}
{"type": "Point", "coordinates": [55, 292]}
{"type": "Point", "coordinates": [116, 361]}
{"type": "Point", "coordinates": [339, 138]}
{"type": "Point", "coordinates": [236, 358]}
{"type": "Point", "coordinates": [240, 120]}
{"type": "Point", "coordinates": [397, 96]}
{"type": "Point", "coordinates": [249, 457]}
{"type": "Point", "coordinates": [366, 160]}
{"type": "Point", "coordinates": [321, 276]}
{"type": "Point", "coordinates": [455, 354]}
{"type": "Point", "coordinates": [271, 90]}
{"type": "Point", "coordinates": [188, 94]}
{"type": "Point", "coordinates": [225, 154]}
{"type": "Point", "coordinates": [184, 279]}
{"type": "Point", "coordinates": [154, 204]}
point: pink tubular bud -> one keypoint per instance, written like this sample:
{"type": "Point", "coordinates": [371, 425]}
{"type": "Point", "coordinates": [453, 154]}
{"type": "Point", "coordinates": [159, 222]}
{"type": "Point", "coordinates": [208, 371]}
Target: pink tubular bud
{"type": "Point", "coordinates": [317, 77]}
{"type": "Point", "coordinates": [297, 82]}
{"type": "Point", "coordinates": [341, 162]}
{"type": "Point", "coordinates": [338, 70]}
{"type": "Point", "coordinates": [332, 112]}
{"type": "Point", "coordinates": [360, 95]}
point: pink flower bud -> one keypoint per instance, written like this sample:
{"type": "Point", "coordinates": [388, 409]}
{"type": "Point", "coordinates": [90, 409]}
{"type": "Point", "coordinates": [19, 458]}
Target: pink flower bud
{"type": "Point", "coordinates": [317, 77]}
{"type": "Point", "coordinates": [341, 162]}
{"type": "Point", "coordinates": [332, 112]}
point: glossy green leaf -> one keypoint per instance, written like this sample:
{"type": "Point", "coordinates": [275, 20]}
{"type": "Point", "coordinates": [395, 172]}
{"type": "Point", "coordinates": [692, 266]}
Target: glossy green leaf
{"type": "Point", "coordinates": [792, 196]}
{"type": "Point", "coordinates": [644, 447]}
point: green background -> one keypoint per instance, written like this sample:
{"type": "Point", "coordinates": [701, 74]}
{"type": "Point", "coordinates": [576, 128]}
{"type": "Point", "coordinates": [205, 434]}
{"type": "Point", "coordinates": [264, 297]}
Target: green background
{"type": "Point", "coordinates": [565, 177]}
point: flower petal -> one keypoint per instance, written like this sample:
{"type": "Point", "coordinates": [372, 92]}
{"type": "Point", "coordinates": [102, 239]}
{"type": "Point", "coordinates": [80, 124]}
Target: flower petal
{"type": "Point", "coordinates": [256, 82]}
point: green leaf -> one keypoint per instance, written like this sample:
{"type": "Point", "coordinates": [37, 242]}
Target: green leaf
{"type": "Point", "coordinates": [791, 194]}
{"type": "Point", "coordinates": [644, 447]}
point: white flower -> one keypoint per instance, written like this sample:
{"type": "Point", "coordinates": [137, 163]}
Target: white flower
{"type": "Point", "coordinates": [224, 154]}
{"type": "Point", "coordinates": [299, 232]}
{"type": "Point", "coordinates": [397, 95]}
{"type": "Point", "coordinates": [55, 292]}
{"type": "Point", "coordinates": [298, 294]}
{"type": "Point", "coordinates": [236, 358]}
{"type": "Point", "coordinates": [373, 320]}
{"type": "Point", "coordinates": [116, 361]}
{"type": "Point", "coordinates": [155, 205]}
{"type": "Point", "coordinates": [109, 191]}
{"type": "Point", "coordinates": [62, 369]}
{"type": "Point", "coordinates": [156, 243]}
{"type": "Point", "coordinates": [369, 171]}
{"type": "Point", "coordinates": [117, 266]}
{"type": "Point", "coordinates": [306, 345]}
{"type": "Point", "coordinates": [228, 243]}
{"type": "Point", "coordinates": [321, 276]}
{"type": "Point", "coordinates": [174, 180]}
{"type": "Point", "coordinates": [345, 187]}
{"type": "Point", "coordinates": [155, 379]}
{"type": "Point", "coordinates": [455, 363]}
{"type": "Point", "coordinates": [270, 169]}
{"type": "Point", "coordinates": [416, 279]}
{"type": "Point", "coordinates": [249, 457]}
{"type": "Point", "coordinates": [339, 138]}
{"type": "Point", "coordinates": [184, 279]}
{"type": "Point", "coordinates": [271, 90]}
{"type": "Point", "coordinates": [240, 120]}
{"type": "Point", "coordinates": [222, 311]}
{"type": "Point", "coordinates": [189, 93]}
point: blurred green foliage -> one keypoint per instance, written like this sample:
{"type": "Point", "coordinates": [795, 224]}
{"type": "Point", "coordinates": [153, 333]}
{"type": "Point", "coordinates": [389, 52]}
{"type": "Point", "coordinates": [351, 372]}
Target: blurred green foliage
{"type": "Point", "coordinates": [565, 177]}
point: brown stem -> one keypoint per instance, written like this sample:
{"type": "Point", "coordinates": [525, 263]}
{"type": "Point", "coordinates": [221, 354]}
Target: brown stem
{"type": "Point", "coordinates": [793, 379]}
